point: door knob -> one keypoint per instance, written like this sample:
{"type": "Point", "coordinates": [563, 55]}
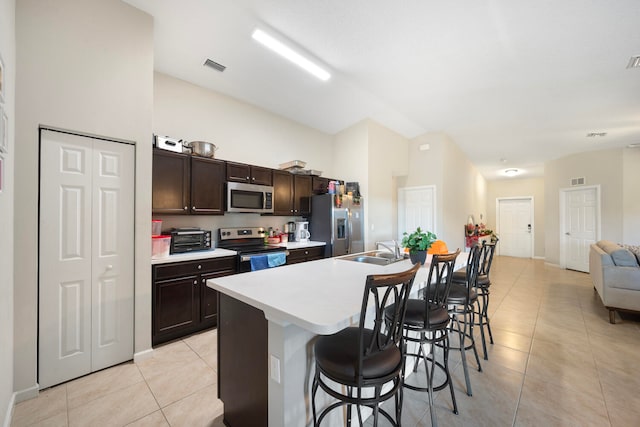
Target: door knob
{"type": "Point", "coordinates": [567, 234]}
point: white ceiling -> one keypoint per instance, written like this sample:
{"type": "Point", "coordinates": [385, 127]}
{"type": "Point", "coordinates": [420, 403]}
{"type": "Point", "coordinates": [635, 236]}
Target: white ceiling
{"type": "Point", "coordinates": [505, 79]}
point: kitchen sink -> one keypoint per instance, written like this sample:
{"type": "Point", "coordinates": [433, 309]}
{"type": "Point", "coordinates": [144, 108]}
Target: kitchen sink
{"type": "Point", "coordinates": [373, 257]}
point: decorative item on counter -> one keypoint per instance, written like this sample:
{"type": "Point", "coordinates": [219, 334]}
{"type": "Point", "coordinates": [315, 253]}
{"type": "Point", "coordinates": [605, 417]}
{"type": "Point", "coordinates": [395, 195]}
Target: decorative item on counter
{"type": "Point", "coordinates": [474, 233]}
{"type": "Point", "coordinates": [332, 187]}
{"type": "Point", "coordinates": [337, 200]}
{"type": "Point", "coordinates": [438, 247]}
{"type": "Point", "coordinates": [418, 243]}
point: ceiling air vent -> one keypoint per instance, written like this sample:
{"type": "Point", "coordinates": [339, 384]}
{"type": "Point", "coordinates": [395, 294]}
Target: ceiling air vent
{"type": "Point", "coordinates": [577, 181]}
{"type": "Point", "coordinates": [634, 62]}
{"type": "Point", "coordinates": [214, 65]}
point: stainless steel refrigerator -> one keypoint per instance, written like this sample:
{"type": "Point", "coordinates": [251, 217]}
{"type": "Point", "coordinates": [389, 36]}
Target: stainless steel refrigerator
{"type": "Point", "coordinates": [340, 227]}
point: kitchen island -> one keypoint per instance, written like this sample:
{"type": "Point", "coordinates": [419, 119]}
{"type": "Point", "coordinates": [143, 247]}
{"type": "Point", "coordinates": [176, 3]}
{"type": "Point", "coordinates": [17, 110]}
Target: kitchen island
{"type": "Point", "coordinates": [291, 305]}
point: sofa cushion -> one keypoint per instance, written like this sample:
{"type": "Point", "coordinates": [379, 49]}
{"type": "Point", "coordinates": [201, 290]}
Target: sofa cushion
{"type": "Point", "coordinates": [634, 249]}
{"type": "Point", "coordinates": [621, 257]}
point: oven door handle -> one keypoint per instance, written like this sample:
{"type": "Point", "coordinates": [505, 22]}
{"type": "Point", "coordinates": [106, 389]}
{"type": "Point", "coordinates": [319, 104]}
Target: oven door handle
{"type": "Point", "coordinates": [244, 258]}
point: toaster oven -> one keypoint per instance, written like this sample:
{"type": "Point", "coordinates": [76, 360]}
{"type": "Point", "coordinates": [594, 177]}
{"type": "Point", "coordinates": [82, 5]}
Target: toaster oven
{"type": "Point", "coordinates": [189, 239]}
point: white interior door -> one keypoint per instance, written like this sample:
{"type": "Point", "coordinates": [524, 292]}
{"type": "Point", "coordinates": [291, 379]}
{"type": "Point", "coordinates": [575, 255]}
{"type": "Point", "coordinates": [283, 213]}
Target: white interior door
{"type": "Point", "coordinates": [515, 227]}
{"type": "Point", "coordinates": [580, 226]}
{"type": "Point", "coordinates": [416, 208]}
{"type": "Point", "coordinates": [85, 255]}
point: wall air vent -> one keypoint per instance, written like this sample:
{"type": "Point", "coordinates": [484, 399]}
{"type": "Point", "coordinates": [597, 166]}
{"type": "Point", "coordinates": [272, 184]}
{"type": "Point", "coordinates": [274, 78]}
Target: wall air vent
{"type": "Point", "coordinates": [577, 181]}
{"type": "Point", "coordinates": [634, 62]}
{"type": "Point", "coordinates": [596, 134]}
{"type": "Point", "coordinates": [214, 65]}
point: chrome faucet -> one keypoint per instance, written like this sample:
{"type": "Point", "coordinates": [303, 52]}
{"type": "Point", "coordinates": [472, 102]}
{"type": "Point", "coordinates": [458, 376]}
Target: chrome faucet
{"type": "Point", "coordinates": [395, 250]}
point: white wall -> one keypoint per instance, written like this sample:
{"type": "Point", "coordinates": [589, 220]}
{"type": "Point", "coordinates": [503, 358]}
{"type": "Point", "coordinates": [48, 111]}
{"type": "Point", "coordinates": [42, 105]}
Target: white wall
{"type": "Point", "coordinates": [243, 133]}
{"type": "Point", "coordinates": [388, 158]}
{"type": "Point", "coordinates": [460, 188]}
{"type": "Point", "coordinates": [83, 65]}
{"type": "Point", "coordinates": [631, 196]}
{"type": "Point", "coordinates": [372, 155]}
{"type": "Point", "coordinates": [516, 188]}
{"type": "Point", "coordinates": [604, 168]}
{"type": "Point", "coordinates": [7, 52]}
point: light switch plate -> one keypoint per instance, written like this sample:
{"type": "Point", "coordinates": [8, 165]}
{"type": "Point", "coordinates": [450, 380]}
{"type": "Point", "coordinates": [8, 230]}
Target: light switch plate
{"type": "Point", "coordinates": [275, 368]}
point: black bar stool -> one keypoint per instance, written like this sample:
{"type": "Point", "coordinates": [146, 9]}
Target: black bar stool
{"type": "Point", "coordinates": [367, 357]}
{"type": "Point", "coordinates": [461, 302]}
{"type": "Point", "coordinates": [427, 323]}
{"type": "Point", "coordinates": [482, 288]}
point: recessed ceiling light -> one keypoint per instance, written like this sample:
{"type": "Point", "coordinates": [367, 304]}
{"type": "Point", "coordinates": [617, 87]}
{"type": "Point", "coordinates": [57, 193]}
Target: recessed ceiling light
{"type": "Point", "coordinates": [511, 172]}
{"type": "Point", "coordinates": [293, 56]}
{"type": "Point", "coordinates": [634, 62]}
{"type": "Point", "coordinates": [596, 134]}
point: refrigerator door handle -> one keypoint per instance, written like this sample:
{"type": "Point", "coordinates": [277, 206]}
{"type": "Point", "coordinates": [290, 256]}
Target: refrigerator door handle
{"type": "Point", "coordinates": [349, 231]}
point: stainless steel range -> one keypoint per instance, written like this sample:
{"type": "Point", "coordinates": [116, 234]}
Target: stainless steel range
{"type": "Point", "coordinates": [248, 242]}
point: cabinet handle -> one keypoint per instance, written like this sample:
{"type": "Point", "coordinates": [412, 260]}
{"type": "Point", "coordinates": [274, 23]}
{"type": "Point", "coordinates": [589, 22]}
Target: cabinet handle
{"type": "Point", "coordinates": [199, 267]}
{"type": "Point", "coordinates": [194, 208]}
{"type": "Point", "coordinates": [247, 178]}
{"type": "Point", "coordinates": [195, 282]}
{"type": "Point", "coordinates": [186, 208]}
{"type": "Point", "coordinates": [306, 252]}
{"type": "Point", "coordinates": [253, 179]}
{"type": "Point", "coordinates": [204, 281]}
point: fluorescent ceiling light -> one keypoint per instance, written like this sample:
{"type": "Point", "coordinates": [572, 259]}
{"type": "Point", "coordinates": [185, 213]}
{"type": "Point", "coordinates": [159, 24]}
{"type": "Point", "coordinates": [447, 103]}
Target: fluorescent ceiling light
{"type": "Point", "coordinates": [511, 172]}
{"type": "Point", "coordinates": [290, 54]}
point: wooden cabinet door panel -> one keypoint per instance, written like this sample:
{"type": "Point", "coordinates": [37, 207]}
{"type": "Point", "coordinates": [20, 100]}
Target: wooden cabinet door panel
{"type": "Point", "coordinates": [171, 182]}
{"type": "Point", "coordinates": [238, 172]}
{"type": "Point", "coordinates": [320, 185]}
{"type": "Point", "coordinates": [207, 186]}
{"type": "Point", "coordinates": [177, 305]}
{"type": "Point", "coordinates": [283, 193]}
{"type": "Point", "coordinates": [261, 176]}
{"type": "Point", "coordinates": [303, 191]}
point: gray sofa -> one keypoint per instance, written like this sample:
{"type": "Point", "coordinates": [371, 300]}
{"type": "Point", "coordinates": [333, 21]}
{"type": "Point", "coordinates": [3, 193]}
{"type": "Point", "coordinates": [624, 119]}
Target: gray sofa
{"type": "Point", "coordinates": [615, 273]}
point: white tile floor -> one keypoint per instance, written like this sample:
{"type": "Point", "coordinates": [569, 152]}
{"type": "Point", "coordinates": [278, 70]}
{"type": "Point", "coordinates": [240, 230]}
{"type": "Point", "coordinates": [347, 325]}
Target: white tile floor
{"type": "Point", "coordinates": [557, 361]}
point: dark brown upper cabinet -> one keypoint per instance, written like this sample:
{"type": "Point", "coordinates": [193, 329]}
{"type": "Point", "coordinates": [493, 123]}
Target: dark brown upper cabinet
{"type": "Point", "coordinates": [207, 186]}
{"type": "Point", "coordinates": [171, 182]}
{"type": "Point", "coordinates": [184, 184]}
{"type": "Point", "coordinates": [240, 172]}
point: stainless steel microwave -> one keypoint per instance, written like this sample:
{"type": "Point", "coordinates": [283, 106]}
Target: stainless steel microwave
{"type": "Point", "coordinates": [252, 198]}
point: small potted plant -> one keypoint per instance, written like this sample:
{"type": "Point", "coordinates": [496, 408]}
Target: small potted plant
{"type": "Point", "coordinates": [418, 242]}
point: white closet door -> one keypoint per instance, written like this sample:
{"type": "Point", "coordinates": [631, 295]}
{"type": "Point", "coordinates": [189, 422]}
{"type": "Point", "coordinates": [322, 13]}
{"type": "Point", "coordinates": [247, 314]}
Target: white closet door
{"type": "Point", "coordinates": [85, 256]}
{"type": "Point", "coordinates": [112, 249]}
{"type": "Point", "coordinates": [581, 226]}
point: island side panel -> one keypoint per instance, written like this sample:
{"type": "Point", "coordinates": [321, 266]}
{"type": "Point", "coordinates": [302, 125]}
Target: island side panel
{"type": "Point", "coordinates": [242, 363]}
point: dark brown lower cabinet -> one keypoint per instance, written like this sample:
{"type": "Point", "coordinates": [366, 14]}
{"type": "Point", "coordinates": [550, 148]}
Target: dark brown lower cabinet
{"type": "Point", "coordinates": [305, 254]}
{"type": "Point", "coordinates": [243, 363]}
{"type": "Point", "coordinates": [182, 301]}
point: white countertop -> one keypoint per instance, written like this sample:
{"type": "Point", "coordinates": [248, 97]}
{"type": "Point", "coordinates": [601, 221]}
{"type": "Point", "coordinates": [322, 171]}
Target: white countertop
{"type": "Point", "coordinates": [191, 256]}
{"type": "Point", "coordinates": [321, 296]}
{"type": "Point", "coordinates": [298, 245]}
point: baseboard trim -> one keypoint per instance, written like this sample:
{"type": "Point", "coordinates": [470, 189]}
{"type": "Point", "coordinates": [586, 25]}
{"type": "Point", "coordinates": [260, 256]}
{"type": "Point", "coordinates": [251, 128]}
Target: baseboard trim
{"type": "Point", "coordinates": [143, 355]}
{"type": "Point", "coordinates": [9, 415]}
{"type": "Point", "coordinates": [550, 264]}
{"type": "Point", "coordinates": [27, 393]}
{"type": "Point", "coordinates": [538, 257]}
